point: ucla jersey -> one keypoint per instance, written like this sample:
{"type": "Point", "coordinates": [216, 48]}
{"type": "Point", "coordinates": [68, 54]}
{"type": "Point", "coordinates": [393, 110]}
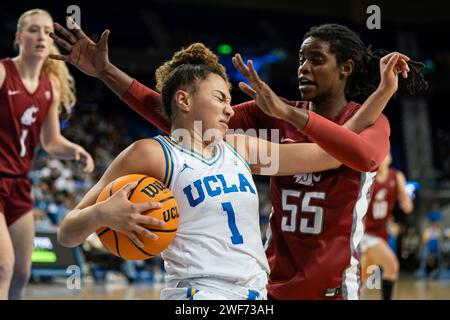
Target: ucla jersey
{"type": "Point", "coordinates": [219, 235]}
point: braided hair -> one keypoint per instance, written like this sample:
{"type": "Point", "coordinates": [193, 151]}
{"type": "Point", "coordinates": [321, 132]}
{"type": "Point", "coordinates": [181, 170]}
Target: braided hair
{"type": "Point", "coordinates": [346, 44]}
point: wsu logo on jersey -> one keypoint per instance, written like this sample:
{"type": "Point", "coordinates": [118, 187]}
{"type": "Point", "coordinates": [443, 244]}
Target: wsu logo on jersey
{"type": "Point", "coordinates": [28, 117]}
{"type": "Point", "coordinates": [307, 179]}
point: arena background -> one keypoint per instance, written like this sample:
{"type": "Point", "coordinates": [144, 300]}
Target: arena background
{"type": "Point", "coordinates": [146, 33]}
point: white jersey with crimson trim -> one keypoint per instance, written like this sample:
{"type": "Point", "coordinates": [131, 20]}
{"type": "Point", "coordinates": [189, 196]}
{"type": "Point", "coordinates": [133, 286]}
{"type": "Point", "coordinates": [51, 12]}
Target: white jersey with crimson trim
{"type": "Point", "coordinates": [219, 233]}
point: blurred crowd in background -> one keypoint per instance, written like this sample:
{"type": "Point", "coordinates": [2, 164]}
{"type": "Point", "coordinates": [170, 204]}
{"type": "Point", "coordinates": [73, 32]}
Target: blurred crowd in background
{"type": "Point", "coordinates": [144, 34]}
{"type": "Point", "coordinates": [59, 185]}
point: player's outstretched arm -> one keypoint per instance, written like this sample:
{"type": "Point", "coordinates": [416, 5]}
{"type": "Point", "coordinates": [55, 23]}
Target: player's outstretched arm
{"type": "Point", "coordinates": [92, 58]}
{"type": "Point", "coordinates": [391, 65]}
{"type": "Point", "coordinates": [363, 152]}
{"type": "Point", "coordinates": [117, 212]}
{"type": "Point", "coordinates": [267, 158]}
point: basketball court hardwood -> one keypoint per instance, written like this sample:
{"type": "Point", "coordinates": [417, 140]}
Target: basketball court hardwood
{"type": "Point", "coordinates": [408, 288]}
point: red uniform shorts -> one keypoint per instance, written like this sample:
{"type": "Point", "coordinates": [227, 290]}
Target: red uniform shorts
{"type": "Point", "coordinates": [15, 197]}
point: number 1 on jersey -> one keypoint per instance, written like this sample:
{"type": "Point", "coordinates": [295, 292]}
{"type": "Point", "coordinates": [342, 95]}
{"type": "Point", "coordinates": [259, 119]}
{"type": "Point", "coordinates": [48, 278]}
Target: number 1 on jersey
{"type": "Point", "coordinates": [23, 148]}
{"type": "Point", "coordinates": [236, 237]}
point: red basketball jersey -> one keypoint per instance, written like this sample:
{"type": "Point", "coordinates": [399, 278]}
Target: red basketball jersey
{"type": "Point", "coordinates": [317, 220]}
{"type": "Point", "coordinates": [22, 115]}
{"type": "Point", "coordinates": [316, 223]}
{"type": "Point", "coordinates": [382, 203]}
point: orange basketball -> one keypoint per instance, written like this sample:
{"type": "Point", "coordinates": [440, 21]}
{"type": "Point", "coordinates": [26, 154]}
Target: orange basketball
{"type": "Point", "coordinates": [148, 189]}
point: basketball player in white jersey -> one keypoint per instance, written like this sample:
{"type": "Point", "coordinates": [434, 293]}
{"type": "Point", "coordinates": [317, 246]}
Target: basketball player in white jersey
{"type": "Point", "coordinates": [218, 252]}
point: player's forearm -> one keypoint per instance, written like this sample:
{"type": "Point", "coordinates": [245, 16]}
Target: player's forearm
{"type": "Point", "coordinates": [370, 110]}
{"type": "Point", "coordinates": [406, 205]}
{"type": "Point", "coordinates": [138, 97]}
{"type": "Point", "coordinates": [299, 158]}
{"type": "Point", "coordinates": [146, 102]}
{"type": "Point", "coordinates": [117, 80]}
{"type": "Point", "coordinates": [61, 148]}
{"type": "Point", "coordinates": [295, 116]}
{"type": "Point", "coordinates": [363, 152]}
{"type": "Point", "coordinates": [78, 225]}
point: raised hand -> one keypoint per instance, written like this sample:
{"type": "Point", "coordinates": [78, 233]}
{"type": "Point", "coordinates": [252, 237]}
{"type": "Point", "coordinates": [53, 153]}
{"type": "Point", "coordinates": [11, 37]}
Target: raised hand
{"type": "Point", "coordinates": [391, 65]}
{"type": "Point", "coordinates": [263, 95]}
{"type": "Point", "coordinates": [88, 56]}
{"type": "Point", "coordinates": [122, 215]}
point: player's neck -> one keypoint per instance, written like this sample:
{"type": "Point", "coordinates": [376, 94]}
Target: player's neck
{"type": "Point", "coordinates": [328, 107]}
{"type": "Point", "coordinates": [193, 139]}
{"type": "Point", "coordinates": [29, 69]}
{"type": "Point", "coordinates": [382, 174]}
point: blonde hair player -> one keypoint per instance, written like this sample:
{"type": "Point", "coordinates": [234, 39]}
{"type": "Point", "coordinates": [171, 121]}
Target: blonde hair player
{"type": "Point", "coordinates": [33, 89]}
{"type": "Point", "coordinates": [218, 252]}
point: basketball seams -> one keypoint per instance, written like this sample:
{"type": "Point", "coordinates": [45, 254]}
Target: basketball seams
{"type": "Point", "coordinates": [166, 199]}
{"type": "Point", "coordinates": [142, 250]}
{"type": "Point", "coordinates": [117, 243]}
{"type": "Point", "coordinates": [160, 230]}
{"type": "Point", "coordinates": [139, 182]}
{"type": "Point", "coordinates": [111, 189]}
{"type": "Point", "coordinates": [126, 250]}
{"type": "Point", "coordinates": [103, 232]}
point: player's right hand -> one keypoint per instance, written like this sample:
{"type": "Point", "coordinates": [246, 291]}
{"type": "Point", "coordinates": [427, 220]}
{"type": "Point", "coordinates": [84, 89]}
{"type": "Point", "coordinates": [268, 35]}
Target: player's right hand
{"type": "Point", "coordinates": [263, 95]}
{"type": "Point", "coordinates": [88, 56]}
{"type": "Point", "coordinates": [120, 214]}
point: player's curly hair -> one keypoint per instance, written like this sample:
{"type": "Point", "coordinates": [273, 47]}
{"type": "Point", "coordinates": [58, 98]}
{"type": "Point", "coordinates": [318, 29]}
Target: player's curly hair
{"type": "Point", "coordinates": [186, 67]}
{"type": "Point", "coordinates": [346, 44]}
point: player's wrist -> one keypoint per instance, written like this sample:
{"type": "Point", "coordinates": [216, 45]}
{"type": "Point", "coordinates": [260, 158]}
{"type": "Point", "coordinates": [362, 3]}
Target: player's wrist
{"type": "Point", "coordinates": [385, 90]}
{"type": "Point", "coordinates": [107, 72]}
{"type": "Point", "coordinates": [297, 117]}
{"type": "Point", "coordinates": [99, 213]}
{"type": "Point", "coordinates": [284, 112]}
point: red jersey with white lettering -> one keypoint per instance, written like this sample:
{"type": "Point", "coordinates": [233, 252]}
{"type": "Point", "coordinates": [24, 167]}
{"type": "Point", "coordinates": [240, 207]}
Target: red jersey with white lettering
{"type": "Point", "coordinates": [382, 203]}
{"type": "Point", "coordinates": [316, 224]}
{"type": "Point", "coordinates": [22, 115]}
{"type": "Point", "coordinates": [317, 219]}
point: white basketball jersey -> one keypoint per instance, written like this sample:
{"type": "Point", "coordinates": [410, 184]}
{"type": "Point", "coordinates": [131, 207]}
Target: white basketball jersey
{"type": "Point", "coordinates": [219, 235]}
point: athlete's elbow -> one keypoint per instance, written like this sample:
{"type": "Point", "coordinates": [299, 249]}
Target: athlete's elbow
{"type": "Point", "coordinates": [366, 164]}
{"type": "Point", "coordinates": [52, 146]}
{"type": "Point", "coordinates": [370, 165]}
{"type": "Point", "coordinates": [370, 159]}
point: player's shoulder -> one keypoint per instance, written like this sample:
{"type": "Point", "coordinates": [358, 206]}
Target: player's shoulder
{"type": "Point", "coordinates": [394, 171]}
{"type": "Point", "coordinates": [241, 143]}
{"type": "Point", "coordinates": [145, 147]}
{"type": "Point", "coordinates": [144, 153]}
{"type": "Point", "coordinates": [348, 111]}
{"type": "Point", "coordinates": [143, 150]}
{"type": "Point", "coordinates": [398, 175]}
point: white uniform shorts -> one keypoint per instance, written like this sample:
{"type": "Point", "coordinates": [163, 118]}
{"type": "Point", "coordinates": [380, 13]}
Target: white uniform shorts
{"type": "Point", "coordinates": [368, 241]}
{"type": "Point", "coordinates": [211, 289]}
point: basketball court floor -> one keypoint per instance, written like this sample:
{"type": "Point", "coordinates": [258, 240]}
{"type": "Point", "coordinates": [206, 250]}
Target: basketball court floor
{"type": "Point", "coordinates": [117, 288]}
